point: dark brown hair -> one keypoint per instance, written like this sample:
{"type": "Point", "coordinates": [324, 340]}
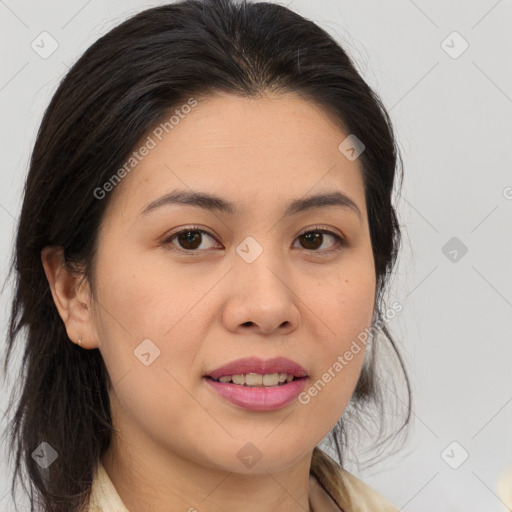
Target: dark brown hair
{"type": "Point", "coordinates": [120, 88]}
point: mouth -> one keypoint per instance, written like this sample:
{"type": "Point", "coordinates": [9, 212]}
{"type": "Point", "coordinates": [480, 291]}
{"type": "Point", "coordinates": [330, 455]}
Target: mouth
{"type": "Point", "coordinates": [257, 384]}
{"type": "Point", "coordinates": [253, 371]}
{"type": "Point", "coordinates": [252, 380]}
{"type": "Point", "coordinates": [253, 396]}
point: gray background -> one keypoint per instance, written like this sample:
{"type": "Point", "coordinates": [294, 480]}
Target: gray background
{"type": "Point", "coordinates": [452, 114]}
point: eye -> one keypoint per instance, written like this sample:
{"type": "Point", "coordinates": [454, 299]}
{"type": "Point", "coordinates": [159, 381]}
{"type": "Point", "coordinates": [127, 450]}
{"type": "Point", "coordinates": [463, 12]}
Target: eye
{"type": "Point", "coordinates": [190, 239]}
{"type": "Point", "coordinates": [313, 238]}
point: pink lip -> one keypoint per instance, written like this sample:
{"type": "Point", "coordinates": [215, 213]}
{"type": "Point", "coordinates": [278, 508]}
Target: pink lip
{"type": "Point", "coordinates": [259, 398]}
{"type": "Point", "coordinates": [256, 365]}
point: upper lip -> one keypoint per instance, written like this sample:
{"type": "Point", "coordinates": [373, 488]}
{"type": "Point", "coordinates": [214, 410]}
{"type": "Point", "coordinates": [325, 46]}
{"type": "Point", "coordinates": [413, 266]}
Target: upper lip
{"type": "Point", "coordinates": [261, 366]}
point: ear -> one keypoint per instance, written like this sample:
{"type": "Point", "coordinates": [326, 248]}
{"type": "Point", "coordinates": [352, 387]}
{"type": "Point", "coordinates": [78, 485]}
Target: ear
{"type": "Point", "coordinates": [72, 298]}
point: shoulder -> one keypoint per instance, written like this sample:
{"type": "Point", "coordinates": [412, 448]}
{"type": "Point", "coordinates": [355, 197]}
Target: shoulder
{"type": "Point", "coordinates": [349, 492]}
{"type": "Point", "coordinates": [104, 497]}
{"type": "Point", "coordinates": [363, 497]}
{"type": "Point", "coordinates": [504, 486]}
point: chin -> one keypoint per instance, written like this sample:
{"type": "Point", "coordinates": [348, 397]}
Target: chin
{"type": "Point", "coordinates": [252, 457]}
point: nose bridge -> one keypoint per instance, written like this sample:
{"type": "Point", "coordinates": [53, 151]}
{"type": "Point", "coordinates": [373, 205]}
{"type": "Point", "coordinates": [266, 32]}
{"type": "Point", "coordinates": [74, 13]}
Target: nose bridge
{"type": "Point", "coordinates": [259, 264]}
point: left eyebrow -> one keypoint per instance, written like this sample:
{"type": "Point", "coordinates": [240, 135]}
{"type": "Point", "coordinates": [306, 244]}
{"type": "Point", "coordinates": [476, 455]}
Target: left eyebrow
{"type": "Point", "coordinates": [215, 203]}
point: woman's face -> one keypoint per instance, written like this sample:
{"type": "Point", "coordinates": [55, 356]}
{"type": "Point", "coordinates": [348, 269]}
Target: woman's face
{"type": "Point", "coordinates": [249, 285]}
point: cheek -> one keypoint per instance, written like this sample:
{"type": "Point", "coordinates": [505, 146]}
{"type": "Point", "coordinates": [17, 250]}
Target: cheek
{"type": "Point", "coordinates": [356, 293]}
{"type": "Point", "coordinates": [344, 308]}
{"type": "Point", "coordinates": [149, 341]}
{"type": "Point", "coordinates": [145, 297]}
{"type": "Point", "coordinates": [147, 338]}
{"type": "Point", "coordinates": [342, 303]}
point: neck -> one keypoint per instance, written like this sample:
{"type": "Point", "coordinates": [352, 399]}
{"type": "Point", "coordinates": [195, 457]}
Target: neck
{"type": "Point", "coordinates": [149, 478]}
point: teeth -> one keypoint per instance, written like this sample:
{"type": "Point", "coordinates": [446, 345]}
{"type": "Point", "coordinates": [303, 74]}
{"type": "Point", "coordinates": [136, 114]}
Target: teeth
{"type": "Point", "coordinates": [254, 379]}
{"type": "Point", "coordinates": [238, 379]}
{"type": "Point", "coordinates": [269, 379]}
{"type": "Point", "coordinates": [257, 380]}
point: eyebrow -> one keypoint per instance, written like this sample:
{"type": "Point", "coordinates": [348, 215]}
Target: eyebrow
{"type": "Point", "coordinates": [215, 203]}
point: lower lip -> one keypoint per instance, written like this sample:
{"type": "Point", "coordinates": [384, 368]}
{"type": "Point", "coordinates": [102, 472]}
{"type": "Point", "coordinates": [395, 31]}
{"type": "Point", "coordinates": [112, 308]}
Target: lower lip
{"type": "Point", "coordinates": [259, 398]}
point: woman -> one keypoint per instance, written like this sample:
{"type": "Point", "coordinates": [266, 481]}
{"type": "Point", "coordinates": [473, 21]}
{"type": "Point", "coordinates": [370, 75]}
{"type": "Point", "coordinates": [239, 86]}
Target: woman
{"type": "Point", "coordinates": [205, 238]}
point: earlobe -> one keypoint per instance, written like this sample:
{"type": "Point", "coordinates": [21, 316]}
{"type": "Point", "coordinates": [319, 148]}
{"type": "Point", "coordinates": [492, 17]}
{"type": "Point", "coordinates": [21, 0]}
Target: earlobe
{"type": "Point", "coordinates": [71, 297]}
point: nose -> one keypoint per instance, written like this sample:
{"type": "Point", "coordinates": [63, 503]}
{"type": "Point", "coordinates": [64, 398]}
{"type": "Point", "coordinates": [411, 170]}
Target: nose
{"type": "Point", "coordinates": [261, 296]}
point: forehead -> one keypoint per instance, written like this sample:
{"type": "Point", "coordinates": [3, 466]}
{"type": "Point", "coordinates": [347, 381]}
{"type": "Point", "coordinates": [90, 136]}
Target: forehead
{"type": "Point", "coordinates": [256, 151]}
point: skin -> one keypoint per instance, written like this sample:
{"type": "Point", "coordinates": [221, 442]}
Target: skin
{"type": "Point", "coordinates": [177, 440]}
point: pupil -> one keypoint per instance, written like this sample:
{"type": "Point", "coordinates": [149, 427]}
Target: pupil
{"type": "Point", "coordinates": [312, 237]}
{"type": "Point", "coordinates": [190, 235]}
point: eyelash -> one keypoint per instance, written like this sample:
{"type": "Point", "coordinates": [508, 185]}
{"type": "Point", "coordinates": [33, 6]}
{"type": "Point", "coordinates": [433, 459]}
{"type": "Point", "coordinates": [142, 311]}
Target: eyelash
{"type": "Point", "coordinates": [340, 242]}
